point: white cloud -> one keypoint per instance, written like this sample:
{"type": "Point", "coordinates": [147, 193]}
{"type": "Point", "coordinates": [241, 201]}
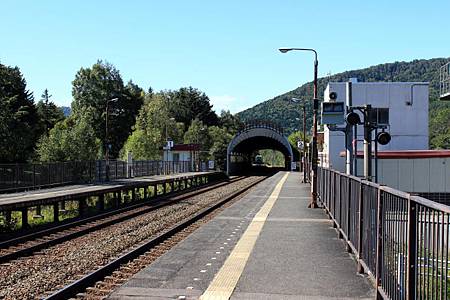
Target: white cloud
{"type": "Point", "coordinates": [227, 102]}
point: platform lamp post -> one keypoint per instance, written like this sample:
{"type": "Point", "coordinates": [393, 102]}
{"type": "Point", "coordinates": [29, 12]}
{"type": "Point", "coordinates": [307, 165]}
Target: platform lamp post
{"type": "Point", "coordinates": [313, 203]}
{"type": "Point", "coordinates": [107, 137]}
{"type": "Point", "coordinates": [303, 106]}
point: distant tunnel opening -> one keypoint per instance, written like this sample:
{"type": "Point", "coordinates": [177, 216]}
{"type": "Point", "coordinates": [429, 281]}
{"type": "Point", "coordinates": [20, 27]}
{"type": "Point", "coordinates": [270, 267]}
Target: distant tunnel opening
{"type": "Point", "coordinates": [258, 143]}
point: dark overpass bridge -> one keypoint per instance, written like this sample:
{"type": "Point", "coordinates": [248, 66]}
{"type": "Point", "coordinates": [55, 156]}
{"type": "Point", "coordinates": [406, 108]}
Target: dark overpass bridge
{"type": "Point", "coordinates": [256, 135]}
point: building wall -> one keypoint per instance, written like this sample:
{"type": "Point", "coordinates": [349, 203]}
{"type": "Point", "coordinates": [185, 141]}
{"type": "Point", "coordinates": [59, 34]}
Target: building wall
{"type": "Point", "coordinates": [416, 175]}
{"type": "Point", "coordinates": [184, 155]}
{"type": "Point", "coordinates": [408, 123]}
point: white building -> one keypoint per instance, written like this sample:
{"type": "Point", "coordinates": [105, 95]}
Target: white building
{"type": "Point", "coordinates": [182, 152]}
{"type": "Point", "coordinates": [408, 116]}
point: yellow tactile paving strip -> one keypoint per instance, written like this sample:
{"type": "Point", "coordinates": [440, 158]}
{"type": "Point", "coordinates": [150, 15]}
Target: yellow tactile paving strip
{"type": "Point", "coordinates": [223, 284]}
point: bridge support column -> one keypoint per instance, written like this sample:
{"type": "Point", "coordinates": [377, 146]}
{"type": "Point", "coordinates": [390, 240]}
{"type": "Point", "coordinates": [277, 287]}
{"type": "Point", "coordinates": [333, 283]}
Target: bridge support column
{"type": "Point", "coordinates": [24, 212]}
{"type": "Point", "coordinates": [101, 202]}
{"type": "Point", "coordinates": [56, 212]}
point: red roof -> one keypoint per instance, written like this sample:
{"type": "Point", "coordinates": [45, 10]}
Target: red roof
{"type": "Point", "coordinates": [407, 154]}
{"type": "Point", "coordinates": [185, 147]}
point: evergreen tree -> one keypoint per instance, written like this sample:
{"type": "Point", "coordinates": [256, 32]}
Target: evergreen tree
{"type": "Point", "coordinates": [18, 117]}
{"type": "Point", "coordinates": [188, 104]}
{"type": "Point", "coordinates": [49, 114]}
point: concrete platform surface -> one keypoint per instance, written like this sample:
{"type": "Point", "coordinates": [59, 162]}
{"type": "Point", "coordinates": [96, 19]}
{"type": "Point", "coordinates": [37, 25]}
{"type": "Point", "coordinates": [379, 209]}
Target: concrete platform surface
{"type": "Point", "coordinates": [295, 254]}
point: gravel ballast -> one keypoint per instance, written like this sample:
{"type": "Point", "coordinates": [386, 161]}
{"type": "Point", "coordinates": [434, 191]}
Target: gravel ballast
{"type": "Point", "coordinates": [37, 275]}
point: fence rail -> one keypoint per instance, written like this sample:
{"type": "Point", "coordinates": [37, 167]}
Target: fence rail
{"type": "Point", "coordinates": [16, 177]}
{"type": "Point", "coordinates": [444, 86]}
{"type": "Point", "coordinates": [401, 241]}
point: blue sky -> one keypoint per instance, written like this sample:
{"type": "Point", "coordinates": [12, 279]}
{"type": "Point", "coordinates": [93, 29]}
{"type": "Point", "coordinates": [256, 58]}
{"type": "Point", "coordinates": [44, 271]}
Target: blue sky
{"type": "Point", "coordinates": [228, 49]}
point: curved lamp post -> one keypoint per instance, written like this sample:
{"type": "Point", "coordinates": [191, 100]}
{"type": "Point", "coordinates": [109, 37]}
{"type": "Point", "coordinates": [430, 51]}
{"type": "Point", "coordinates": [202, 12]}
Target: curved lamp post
{"type": "Point", "coordinates": [313, 203]}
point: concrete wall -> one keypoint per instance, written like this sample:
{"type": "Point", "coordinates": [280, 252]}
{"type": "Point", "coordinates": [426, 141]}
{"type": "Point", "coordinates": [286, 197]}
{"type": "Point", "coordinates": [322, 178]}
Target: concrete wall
{"type": "Point", "coordinates": [408, 123]}
{"type": "Point", "coordinates": [418, 175]}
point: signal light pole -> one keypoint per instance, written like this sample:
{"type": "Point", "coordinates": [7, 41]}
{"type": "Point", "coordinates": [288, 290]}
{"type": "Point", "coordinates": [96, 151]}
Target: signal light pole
{"type": "Point", "coordinates": [313, 203]}
{"type": "Point", "coordinates": [296, 100]}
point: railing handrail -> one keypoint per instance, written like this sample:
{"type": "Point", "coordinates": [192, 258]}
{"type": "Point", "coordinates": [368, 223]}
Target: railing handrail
{"type": "Point", "coordinates": [421, 200]}
{"type": "Point", "coordinates": [389, 231]}
{"type": "Point", "coordinates": [261, 124]}
{"type": "Point", "coordinates": [25, 176]}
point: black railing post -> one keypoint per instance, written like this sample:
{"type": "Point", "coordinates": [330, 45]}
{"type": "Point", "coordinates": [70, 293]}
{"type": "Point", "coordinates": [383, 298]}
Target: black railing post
{"type": "Point", "coordinates": [412, 250]}
{"type": "Point", "coordinates": [349, 205]}
{"type": "Point", "coordinates": [90, 171]}
{"type": "Point", "coordinates": [360, 227]}
{"type": "Point", "coordinates": [379, 258]}
{"type": "Point", "coordinates": [34, 175]}
{"type": "Point", "coordinates": [16, 175]}
{"type": "Point", "coordinates": [49, 173]}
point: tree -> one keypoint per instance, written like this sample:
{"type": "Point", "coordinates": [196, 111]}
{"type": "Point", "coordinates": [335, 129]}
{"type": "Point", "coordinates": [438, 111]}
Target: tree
{"type": "Point", "coordinates": [49, 114]}
{"type": "Point", "coordinates": [230, 122]}
{"type": "Point", "coordinates": [187, 104]}
{"type": "Point", "coordinates": [71, 139]}
{"type": "Point", "coordinates": [440, 129]}
{"type": "Point", "coordinates": [295, 137]}
{"type": "Point", "coordinates": [220, 138]}
{"type": "Point", "coordinates": [143, 144]}
{"type": "Point", "coordinates": [197, 133]}
{"type": "Point", "coordinates": [272, 157]}
{"type": "Point", "coordinates": [92, 88]}
{"type": "Point", "coordinates": [18, 117]}
{"type": "Point", "coordinates": [149, 134]}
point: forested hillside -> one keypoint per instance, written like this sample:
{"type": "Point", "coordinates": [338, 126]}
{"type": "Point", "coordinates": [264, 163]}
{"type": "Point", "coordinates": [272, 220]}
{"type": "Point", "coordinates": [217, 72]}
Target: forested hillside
{"type": "Point", "coordinates": [281, 110]}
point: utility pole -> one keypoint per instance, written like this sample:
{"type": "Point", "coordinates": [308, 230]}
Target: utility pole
{"type": "Point", "coordinates": [367, 143]}
{"type": "Point", "coordinates": [348, 134]}
{"type": "Point", "coordinates": [315, 153]}
{"type": "Point", "coordinates": [303, 106]}
{"type": "Point", "coordinates": [304, 142]}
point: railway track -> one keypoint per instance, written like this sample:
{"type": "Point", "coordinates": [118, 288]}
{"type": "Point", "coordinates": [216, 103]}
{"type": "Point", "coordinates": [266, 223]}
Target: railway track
{"type": "Point", "coordinates": [26, 245]}
{"type": "Point", "coordinates": [62, 271]}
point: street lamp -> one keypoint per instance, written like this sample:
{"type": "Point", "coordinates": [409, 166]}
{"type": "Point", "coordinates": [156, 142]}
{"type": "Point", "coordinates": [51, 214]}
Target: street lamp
{"type": "Point", "coordinates": [296, 100]}
{"type": "Point", "coordinates": [107, 137]}
{"type": "Point", "coordinates": [313, 203]}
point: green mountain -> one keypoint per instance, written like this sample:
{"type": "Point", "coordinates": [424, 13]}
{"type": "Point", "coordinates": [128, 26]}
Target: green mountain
{"type": "Point", "coordinates": [281, 110]}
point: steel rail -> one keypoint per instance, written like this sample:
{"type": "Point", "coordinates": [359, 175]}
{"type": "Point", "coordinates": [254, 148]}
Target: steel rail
{"type": "Point", "coordinates": [110, 218]}
{"type": "Point", "coordinates": [91, 278]}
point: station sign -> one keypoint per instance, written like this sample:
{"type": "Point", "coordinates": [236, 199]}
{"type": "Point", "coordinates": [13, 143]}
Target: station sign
{"type": "Point", "coordinates": [333, 113]}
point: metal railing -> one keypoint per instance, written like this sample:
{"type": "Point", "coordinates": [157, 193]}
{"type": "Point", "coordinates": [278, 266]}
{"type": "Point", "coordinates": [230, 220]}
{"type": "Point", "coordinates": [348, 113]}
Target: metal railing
{"type": "Point", "coordinates": [444, 86]}
{"type": "Point", "coordinates": [149, 168]}
{"type": "Point", "coordinates": [401, 241]}
{"type": "Point", "coordinates": [17, 177]}
{"type": "Point", "coordinates": [250, 124]}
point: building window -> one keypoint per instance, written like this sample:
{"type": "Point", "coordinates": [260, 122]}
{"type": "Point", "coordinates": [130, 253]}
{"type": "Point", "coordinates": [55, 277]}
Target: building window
{"type": "Point", "coordinates": [176, 156]}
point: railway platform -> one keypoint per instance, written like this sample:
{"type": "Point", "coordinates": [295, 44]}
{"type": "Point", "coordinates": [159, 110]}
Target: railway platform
{"type": "Point", "coordinates": [19, 199]}
{"type": "Point", "coordinates": [267, 245]}
{"type": "Point", "coordinates": [115, 193]}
